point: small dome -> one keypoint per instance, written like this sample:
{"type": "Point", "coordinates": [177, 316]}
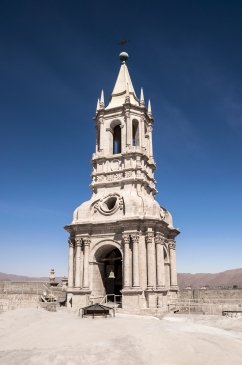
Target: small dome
{"type": "Point", "coordinates": [123, 56]}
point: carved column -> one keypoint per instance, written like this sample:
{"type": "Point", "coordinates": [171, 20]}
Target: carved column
{"type": "Point", "coordinates": [160, 265]}
{"type": "Point", "coordinates": [123, 137]}
{"type": "Point", "coordinates": [101, 133]}
{"type": "Point", "coordinates": [70, 262]}
{"type": "Point", "coordinates": [78, 263]}
{"type": "Point", "coordinates": [150, 142]}
{"type": "Point", "coordinates": [135, 242]}
{"type": "Point", "coordinates": [128, 129]}
{"type": "Point", "coordinates": [172, 248]}
{"type": "Point", "coordinates": [86, 243]}
{"type": "Point", "coordinates": [126, 241]}
{"type": "Point", "coordinates": [151, 259]}
{"type": "Point", "coordinates": [142, 132]}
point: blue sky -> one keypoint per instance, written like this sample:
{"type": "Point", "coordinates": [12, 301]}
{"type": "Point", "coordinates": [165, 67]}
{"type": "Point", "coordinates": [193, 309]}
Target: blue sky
{"type": "Point", "coordinates": [56, 56]}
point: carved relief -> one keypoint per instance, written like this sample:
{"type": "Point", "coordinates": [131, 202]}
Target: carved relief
{"type": "Point", "coordinates": [115, 165]}
{"type": "Point", "coordinates": [128, 174]}
{"type": "Point", "coordinates": [100, 178]}
{"type": "Point", "coordinates": [110, 204]}
{"type": "Point", "coordinates": [114, 177]}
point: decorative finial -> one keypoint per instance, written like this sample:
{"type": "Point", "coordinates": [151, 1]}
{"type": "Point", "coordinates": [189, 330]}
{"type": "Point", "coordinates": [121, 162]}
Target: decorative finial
{"type": "Point", "coordinates": [123, 57]}
{"type": "Point", "coordinates": [98, 105]}
{"type": "Point", "coordinates": [142, 99]}
{"type": "Point", "coordinates": [149, 108]}
{"type": "Point", "coordinates": [101, 103]}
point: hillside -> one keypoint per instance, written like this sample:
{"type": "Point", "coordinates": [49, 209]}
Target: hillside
{"type": "Point", "coordinates": [12, 277]}
{"type": "Point", "coordinates": [227, 278]}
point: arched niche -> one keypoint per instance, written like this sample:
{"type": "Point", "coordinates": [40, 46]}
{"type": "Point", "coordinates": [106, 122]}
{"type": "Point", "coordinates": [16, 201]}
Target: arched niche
{"type": "Point", "coordinates": [135, 132]}
{"type": "Point", "coordinates": [115, 127]}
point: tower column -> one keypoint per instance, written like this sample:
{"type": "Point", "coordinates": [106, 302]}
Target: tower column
{"type": "Point", "coordinates": [151, 259]}
{"type": "Point", "coordinates": [86, 243]}
{"type": "Point", "coordinates": [135, 242]}
{"type": "Point", "coordinates": [78, 263]}
{"type": "Point", "coordinates": [142, 133]}
{"type": "Point", "coordinates": [160, 265]}
{"type": "Point", "coordinates": [101, 133]}
{"type": "Point", "coordinates": [70, 262]}
{"type": "Point", "coordinates": [128, 129]}
{"type": "Point", "coordinates": [150, 142]}
{"type": "Point", "coordinates": [173, 273]}
{"type": "Point", "coordinates": [126, 241]}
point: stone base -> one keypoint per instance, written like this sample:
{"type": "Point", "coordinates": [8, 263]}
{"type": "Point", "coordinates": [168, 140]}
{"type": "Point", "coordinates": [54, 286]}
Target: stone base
{"type": "Point", "coordinates": [151, 298]}
{"type": "Point", "coordinates": [78, 298]}
{"type": "Point", "coordinates": [132, 298]}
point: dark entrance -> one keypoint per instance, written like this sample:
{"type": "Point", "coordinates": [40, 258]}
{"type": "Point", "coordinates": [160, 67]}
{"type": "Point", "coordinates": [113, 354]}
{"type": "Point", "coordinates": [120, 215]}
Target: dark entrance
{"type": "Point", "coordinates": [112, 272]}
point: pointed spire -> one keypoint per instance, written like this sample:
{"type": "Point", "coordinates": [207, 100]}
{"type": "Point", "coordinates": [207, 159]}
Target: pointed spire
{"type": "Point", "coordinates": [149, 108]}
{"type": "Point", "coordinates": [142, 99]}
{"type": "Point", "coordinates": [123, 87]}
{"type": "Point", "coordinates": [98, 105]}
{"type": "Point", "coordinates": [101, 103]}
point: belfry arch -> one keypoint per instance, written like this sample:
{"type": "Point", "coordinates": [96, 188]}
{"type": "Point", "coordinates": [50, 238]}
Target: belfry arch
{"type": "Point", "coordinates": [107, 270]}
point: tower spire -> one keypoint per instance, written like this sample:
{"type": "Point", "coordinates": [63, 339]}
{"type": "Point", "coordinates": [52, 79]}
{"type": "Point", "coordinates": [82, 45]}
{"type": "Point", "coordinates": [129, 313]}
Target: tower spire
{"type": "Point", "coordinates": [149, 108]}
{"type": "Point", "coordinates": [142, 99]}
{"type": "Point", "coordinates": [102, 105]}
{"type": "Point", "coordinates": [98, 105]}
{"type": "Point", "coordinates": [123, 86]}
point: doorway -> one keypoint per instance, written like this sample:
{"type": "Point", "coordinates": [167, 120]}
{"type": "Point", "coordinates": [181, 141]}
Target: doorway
{"type": "Point", "coordinates": [109, 260]}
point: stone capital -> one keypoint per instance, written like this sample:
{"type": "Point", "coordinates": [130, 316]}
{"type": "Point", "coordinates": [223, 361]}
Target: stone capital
{"type": "Point", "coordinates": [172, 245]}
{"type": "Point", "coordinates": [125, 238]}
{"type": "Point", "coordinates": [149, 236]}
{"type": "Point", "coordinates": [78, 241]}
{"type": "Point", "coordinates": [159, 238]}
{"type": "Point", "coordinates": [71, 242]}
{"type": "Point", "coordinates": [86, 241]}
{"type": "Point", "coordinates": [135, 237]}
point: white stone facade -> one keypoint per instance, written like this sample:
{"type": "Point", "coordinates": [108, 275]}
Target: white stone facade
{"type": "Point", "coordinates": [121, 241]}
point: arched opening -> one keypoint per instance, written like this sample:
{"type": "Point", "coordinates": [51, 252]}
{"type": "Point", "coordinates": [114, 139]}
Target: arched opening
{"type": "Point", "coordinates": [109, 260]}
{"type": "Point", "coordinates": [135, 133]}
{"type": "Point", "coordinates": [117, 139]}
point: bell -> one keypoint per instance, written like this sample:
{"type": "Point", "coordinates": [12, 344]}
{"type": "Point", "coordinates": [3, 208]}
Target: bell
{"type": "Point", "coordinates": [111, 274]}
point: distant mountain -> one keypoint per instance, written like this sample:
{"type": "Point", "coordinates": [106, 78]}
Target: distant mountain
{"type": "Point", "coordinates": [12, 277]}
{"type": "Point", "coordinates": [227, 278]}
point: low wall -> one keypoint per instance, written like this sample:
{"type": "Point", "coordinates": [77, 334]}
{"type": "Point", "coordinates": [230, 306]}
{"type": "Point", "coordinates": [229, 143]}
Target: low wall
{"type": "Point", "coordinates": [210, 294]}
{"type": "Point", "coordinates": [209, 301]}
{"type": "Point", "coordinates": [13, 301]}
{"type": "Point", "coordinates": [22, 287]}
{"type": "Point", "coordinates": [15, 294]}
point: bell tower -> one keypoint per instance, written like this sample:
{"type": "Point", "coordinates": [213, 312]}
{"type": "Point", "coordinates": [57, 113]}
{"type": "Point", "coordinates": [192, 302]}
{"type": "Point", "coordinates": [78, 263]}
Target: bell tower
{"type": "Point", "coordinates": [124, 152]}
{"type": "Point", "coordinates": [122, 220]}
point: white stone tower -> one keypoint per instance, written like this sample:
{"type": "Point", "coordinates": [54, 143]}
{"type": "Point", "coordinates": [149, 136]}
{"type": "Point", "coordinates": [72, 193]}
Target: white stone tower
{"type": "Point", "coordinates": [122, 243]}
